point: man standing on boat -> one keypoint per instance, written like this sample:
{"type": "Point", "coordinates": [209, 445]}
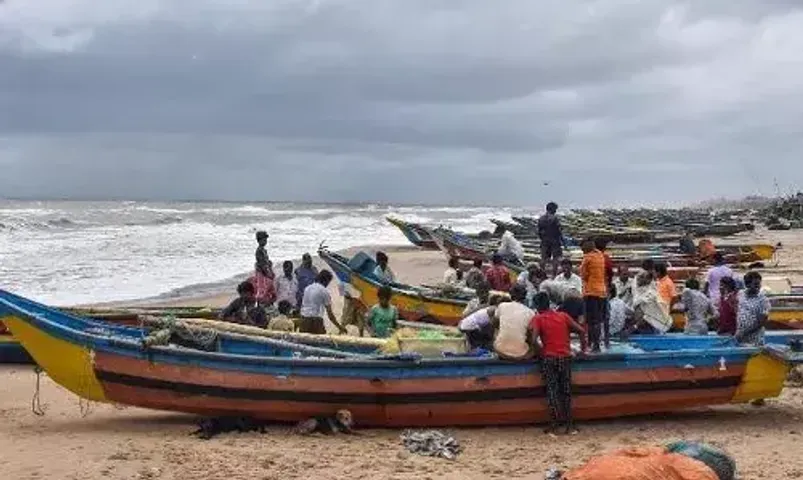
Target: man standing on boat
{"type": "Point", "coordinates": [550, 233]}
{"type": "Point", "coordinates": [261, 255]}
{"type": "Point", "coordinates": [595, 294]}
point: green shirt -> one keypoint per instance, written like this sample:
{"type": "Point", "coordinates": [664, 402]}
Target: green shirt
{"type": "Point", "coordinates": [382, 320]}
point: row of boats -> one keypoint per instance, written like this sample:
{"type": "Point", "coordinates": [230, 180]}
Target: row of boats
{"type": "Point", "coordinates": [183, 360]}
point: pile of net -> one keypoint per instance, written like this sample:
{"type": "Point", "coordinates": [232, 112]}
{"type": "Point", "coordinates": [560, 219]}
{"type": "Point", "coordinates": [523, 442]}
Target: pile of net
{"type": "Point", "coordinates": [676, 461]}
{"type": "Point", "coordinates": [431, 443]}
{"type": "Point", "coordinates": [181, 333]}
{"type": "Point", "coordinates": [425, 342]}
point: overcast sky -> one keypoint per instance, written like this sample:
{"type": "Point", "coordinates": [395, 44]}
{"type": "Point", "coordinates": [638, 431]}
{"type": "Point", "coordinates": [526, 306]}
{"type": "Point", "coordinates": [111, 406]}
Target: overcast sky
{"type": "Point", "coordinates": [415, 101]}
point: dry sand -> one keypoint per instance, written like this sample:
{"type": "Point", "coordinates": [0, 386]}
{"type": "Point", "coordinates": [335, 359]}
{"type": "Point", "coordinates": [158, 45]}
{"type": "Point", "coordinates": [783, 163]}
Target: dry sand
{"type": "Point", "coordinates": [105, 442]}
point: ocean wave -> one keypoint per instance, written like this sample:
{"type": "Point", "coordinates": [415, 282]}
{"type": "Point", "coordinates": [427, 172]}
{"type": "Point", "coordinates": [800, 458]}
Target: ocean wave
{"type": "Point", "coordinates": [12, 224]}
{"type": "Point", "coordinates": [166, 220]}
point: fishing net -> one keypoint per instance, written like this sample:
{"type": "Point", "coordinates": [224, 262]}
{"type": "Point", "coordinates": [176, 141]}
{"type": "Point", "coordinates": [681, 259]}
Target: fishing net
{"type": "Point", "coordinates": [183, 334]}
{"type": "Point", "coordinates": [425, 342]}
{"type": "Point", "coordinates": [717, 460]}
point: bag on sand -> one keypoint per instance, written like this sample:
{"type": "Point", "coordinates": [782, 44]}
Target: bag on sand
{"type": "Point", "coordinates": [642, 463]}
{"type": "Point", "coordinates": [717, 460]}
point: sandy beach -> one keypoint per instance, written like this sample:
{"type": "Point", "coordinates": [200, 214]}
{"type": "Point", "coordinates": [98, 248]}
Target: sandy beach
{"type": "Point", "coordinates": [73, 440]}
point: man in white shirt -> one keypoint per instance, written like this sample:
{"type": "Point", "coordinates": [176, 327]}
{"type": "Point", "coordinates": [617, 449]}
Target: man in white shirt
{"type": "Point", "coordinates": [567, 278]}
{"type": "Point", "coordinates": [453, 275]}
{"type": "Point", "coordinates": [287, 285]}
{"type": "Point", "coordinates": [314, 303]}
{"type": "Point", "coordinates": [382, 271]}
{"type": "Point", "coordinates": [624, 285]}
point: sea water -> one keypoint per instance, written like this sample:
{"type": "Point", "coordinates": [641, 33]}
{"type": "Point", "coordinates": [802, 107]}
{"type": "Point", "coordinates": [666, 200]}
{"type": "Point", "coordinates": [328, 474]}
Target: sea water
{"type": "Point", "coordinates": [69, 253]}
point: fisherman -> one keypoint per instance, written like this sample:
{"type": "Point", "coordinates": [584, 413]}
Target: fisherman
{"type": "Point", "coordinates": [667, 292]}
{"type": "Point", "coordinates": [531, 280]}
{"type": "Point", "coordinates": [624, 284]}
{"type": "Point", "coordinates": [287, 286]}
{"type": "Point", "coordinates": [753, 311]}
{"type": "Point", "coordinates": [261, 253]}
{"type": "Point", "coordinates": [687, 246]}
{"type": "Point", "coordinates": [715, 276]}
{"type": "Point", "coordinates": [383, 317]}
{"type": "Point", "coordinates": [648, 265]}
{"type": "Point", "coordinates": [453, 276]}
{"type": "Point", "coordinates": [264, 286]}
{"type": "Point", "coordinates": [314, 303]}
{"type": "Point", "coordinates": [478, 327]}
{"type": "Point", "coordinates": [513, 319]}
{"type": "Point", "coordinates": [511, 249]}
{"type": "Point", "coordinates": [648, 314]}
{"type": "Point", "coordinates": [353, 313]}
{"type": "Point", "coordinates": [619, 312]}
{"type": "Point", "coordinates": [554, 331]}
{"type": "Point", "coordinates": [595, 294]}
{"type": "Point", "coordinates": [474, 276]}
{"type": "Point", "coordinates": [728, 306]}
{"type": "Point", "coordinates": [573, 305]}
{"type": "Point", "coordinates": [550, 233]}
{"type": "Point", "coordinates": [568, 278]}
{"type": "Point", "coordinates": [480, 300]}
{"type": "Point", "coordinates": [305, 276]}
{"type": "Point", "coordinates": [498, 276]}
{"type": "Point", "coordinates": [697, 307]}
{"type": "Point", "coordinates": [382, 272]}
{"type": "Point", "coordinates": [244, 309]}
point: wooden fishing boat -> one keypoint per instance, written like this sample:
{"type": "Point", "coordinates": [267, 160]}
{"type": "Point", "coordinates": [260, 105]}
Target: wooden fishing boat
{"type": "Point", "coordinates": [462, 248]}
{"type": "Point", "coordinates": [414, 303]}
{"type": "Point", "coordinates": [418, 236]}
{"type": "Point", "coordinates": [781, 318]}
{"type": "Point", "coordinates": [280, 382]}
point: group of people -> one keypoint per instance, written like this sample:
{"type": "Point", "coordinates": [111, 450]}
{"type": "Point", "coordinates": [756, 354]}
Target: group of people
{"type": "Point", "coordinates": [300, 300]}
{"type": "Point", "coordinates": [536, 314]}
{"type": "Point", "coordinates": [533, 314]}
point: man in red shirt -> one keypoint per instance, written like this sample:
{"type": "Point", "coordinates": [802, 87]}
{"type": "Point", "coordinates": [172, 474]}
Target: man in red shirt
{"type": "Point", "coordinates": [498, 275]}
{"type": "Point", "coordinates": [554, 331]}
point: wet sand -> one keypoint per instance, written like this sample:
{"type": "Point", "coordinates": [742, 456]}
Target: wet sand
{"type": "Point", "coordinates": [73, 440]}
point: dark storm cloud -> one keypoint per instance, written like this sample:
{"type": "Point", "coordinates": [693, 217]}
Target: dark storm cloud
{"type": "Point", "coordinates": [402, 101]}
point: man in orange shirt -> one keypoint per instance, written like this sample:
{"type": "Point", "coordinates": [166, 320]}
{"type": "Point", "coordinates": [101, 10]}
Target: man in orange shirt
{"type": "Point", "coordinates": [595, 294]}
{"type": "Point", "coordinates": [667, 293]}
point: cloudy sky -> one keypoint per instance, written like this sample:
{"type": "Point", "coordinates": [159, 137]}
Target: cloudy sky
{"type": "Point", "coordinates": [415, 101]}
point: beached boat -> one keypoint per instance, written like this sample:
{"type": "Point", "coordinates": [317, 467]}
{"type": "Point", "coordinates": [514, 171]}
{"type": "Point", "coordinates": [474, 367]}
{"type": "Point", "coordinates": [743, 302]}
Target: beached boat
{"type": "Point", "coordinates": [418, 236]}
{"type": "Point", "coordinates": [463, 248]}
{"type": "Point", "coordinates": [414, 303]}
{"type": "Point", "coordinates": [278, 381]}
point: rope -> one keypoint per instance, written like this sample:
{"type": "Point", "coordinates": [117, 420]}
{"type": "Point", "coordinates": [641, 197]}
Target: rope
{"type": "Point", "coordinates": [36, 406]}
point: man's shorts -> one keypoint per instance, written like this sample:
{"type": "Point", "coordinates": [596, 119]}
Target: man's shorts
{"type": "Point", "coordinates": [551, 251]}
